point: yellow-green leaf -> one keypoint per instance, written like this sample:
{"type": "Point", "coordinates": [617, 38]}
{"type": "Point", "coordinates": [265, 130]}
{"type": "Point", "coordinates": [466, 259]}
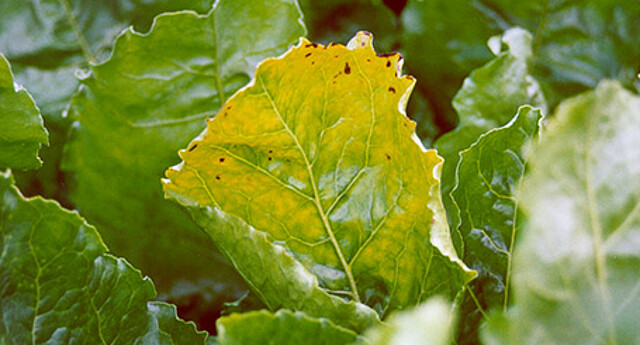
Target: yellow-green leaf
{"type": "Point", "coordinates": [316, 164]}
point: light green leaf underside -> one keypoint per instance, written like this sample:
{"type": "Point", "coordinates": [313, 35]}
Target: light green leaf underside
{"type": "Point", "coordinates": [139, 107]}
{"type": "Point", "coordinates": [60, 287]}
{"type": "Point", "coordinates": [576, 268]}
{"type": "Point", "coordinates": [22, 132]}
{"type": "Point", "coordinates": [430, 323]}
{"type": "Point", "coordinates": [317, 157]}
{"type": "Point", "coordinates": [282, 328]}
{"type": "Point", "coordinates": [488, 99]}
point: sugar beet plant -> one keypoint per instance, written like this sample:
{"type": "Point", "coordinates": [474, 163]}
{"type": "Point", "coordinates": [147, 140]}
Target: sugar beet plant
{"type": "Point", "coordinates": [278, 188]}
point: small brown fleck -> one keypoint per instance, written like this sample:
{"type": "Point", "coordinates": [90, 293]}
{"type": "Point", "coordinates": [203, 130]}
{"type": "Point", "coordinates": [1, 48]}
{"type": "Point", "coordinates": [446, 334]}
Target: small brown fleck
{"type": "Point", "coordinates": [336, 56]}
{"type": "Point", "coordinates": [193, 147]}
{"type": "Point", "coordinates": [270, 151]}
{"type": "Point", "coordinates": [388, 157]}
{"type": "Point", "coordinates": [332, 44]}
{"type": "Point", "coordinates": [333, 82]}
{"type": "Point", "coordinates": [221, 160]}
{"type": "Point", "coordinates": [347, 69]}
{"type": "Point", "coordinates": [313, 62]}
{"type": "Point", "coordinates": [217, 177]}
{"type": "Point", "coordinates": [270, 159]}
{"type": "Point", "coordinates": [307, 55]}
{"type": "Point", "coordinates": [392, 90]}
{"type": "Point", "coordinates": [388, 63]}
{"type": "Point", "coordinates": [368, 60]}
{"type": "Point", "coordinates": [225, 114]}
{"type": "Point", "coordinates": [228, 107]}
{"type": "Point", "coordinates": [315, 45]}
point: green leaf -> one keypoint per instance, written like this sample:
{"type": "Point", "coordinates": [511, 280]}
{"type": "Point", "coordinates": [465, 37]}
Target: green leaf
{"type": "Point", "coordinates": [282, 328]}
{"type": "Point", "coordinates": [486, 178]}
{"type": "Point", "coordinates": [48, 41]}
{"type": "Point", "coordinates": [431, 323]}
{"type": "Point", "coordinates": [488, 99]}
{"type": "Point", "coordinates": [60, 287]}
{"type": "Point", "coordinates": [576, 43]}
{"type": "Point", "coordinates": [576, 266]}
{"type": "Point", "coordinates": [315, 170]}
{"type": "Point", "coordinates": [139, 107]}
{"type": "Point", "coordinates": [22, 132]}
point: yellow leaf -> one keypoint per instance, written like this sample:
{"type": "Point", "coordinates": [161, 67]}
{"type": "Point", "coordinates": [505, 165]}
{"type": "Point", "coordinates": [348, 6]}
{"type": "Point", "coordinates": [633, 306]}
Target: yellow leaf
{"type": "Point", "coordinates": [318, 154]}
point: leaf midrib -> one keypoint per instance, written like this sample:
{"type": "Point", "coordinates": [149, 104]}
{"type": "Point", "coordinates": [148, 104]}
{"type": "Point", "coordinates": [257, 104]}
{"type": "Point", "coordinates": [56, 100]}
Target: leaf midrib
{"type": "Point", "coordinates": [316, 199]}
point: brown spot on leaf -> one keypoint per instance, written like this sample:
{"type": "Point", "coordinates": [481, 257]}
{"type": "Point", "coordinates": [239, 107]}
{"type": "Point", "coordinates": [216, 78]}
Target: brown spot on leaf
{"type": "Point", "coordinates": [221, 160]}
{"type": "Point", "coordinates": [193, 147]}
{"type": "Point", "coordinates": [347, 69]}
{"type": "Point", "coordinates": [388, 63]}
{"type": "Point", "coordinates": [217, 177]}
{"type": "Point", "coordinates": [270, 159]}
{"type": "Point", "coordinates": [388, 156]}
{"type": "Point", "coordinates": [392, 90]}
{"type": "Point", "coordinates": [307, 55]}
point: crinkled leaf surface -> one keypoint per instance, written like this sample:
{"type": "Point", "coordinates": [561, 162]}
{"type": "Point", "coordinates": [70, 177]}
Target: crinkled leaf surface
{"type": "Point", "coordinates": [317, 162]}
{"type": "Point", "coordinates": [22, 132]}
{"type": "Point", "coordinates": [431, 323]}
{"type": "Point", "coordinates": [576, 43]}
{"type": "Point", "coordinates": [576, 267]}
{"type": "Point", "coordinates": [48, 41]}
{"type": "Point", "coordinates": [487, 176]}
{"type": "Point", "coordinates": [488, 99]}
{"type": "Point", "coordinates": [148, 100]}
{"type": "Point", "coordinates": [60, 287]}
{"type": "Point", "coordinates": [284, 327]}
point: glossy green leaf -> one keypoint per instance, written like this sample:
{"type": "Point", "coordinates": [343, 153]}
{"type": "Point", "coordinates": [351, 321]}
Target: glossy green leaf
{"type": "Point", "coordinates": [282, 328]}
{"type": "Point", "coordinates": [139, 107]}
{"type": "Point", "coordinates": [575, 277]}
{"type": "Point", "coordinates": [488, 99]}
{"type": "Point", "coordinates": [22, 132]}
{"type": "Point", "coordinates": [486, 179]}
{"type": "Point", "coordinates": [431, 323]}
{"type": "Point", "coordinates": [576, 43]}
{"type": "Point", "coordinates": [59, 286]}
{"type": "Point", "coordinates": [316, 171]}
{"type": "Point", "coordinates": [48, 41]}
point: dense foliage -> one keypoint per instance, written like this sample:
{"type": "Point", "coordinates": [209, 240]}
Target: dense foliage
{"type": "Point", "coordinates": [224, 163]}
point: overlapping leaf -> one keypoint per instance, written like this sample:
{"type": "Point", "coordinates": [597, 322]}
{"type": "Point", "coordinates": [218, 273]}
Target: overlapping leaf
{"type": "Point", "coordinates": [487, 175]}
{"type": "Point", "coordinates": [576, 268]}
{"type": "Point", "coordinates": [59, 286]}
{"type": "Point", "coordinates": [487, 100]}
{"type": "Point", "coordinates": [283, 328]}
{"type": "Point", "coordinates": [313, 176]}
{"type": "Point", "coordinates": [576, 43]}
{"type": "Point", "coordinates": [138, 108]}
{"type": "Point", "coordinates": [49, 41]}
{"type": "Point", "coordinates": [21, 129]}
